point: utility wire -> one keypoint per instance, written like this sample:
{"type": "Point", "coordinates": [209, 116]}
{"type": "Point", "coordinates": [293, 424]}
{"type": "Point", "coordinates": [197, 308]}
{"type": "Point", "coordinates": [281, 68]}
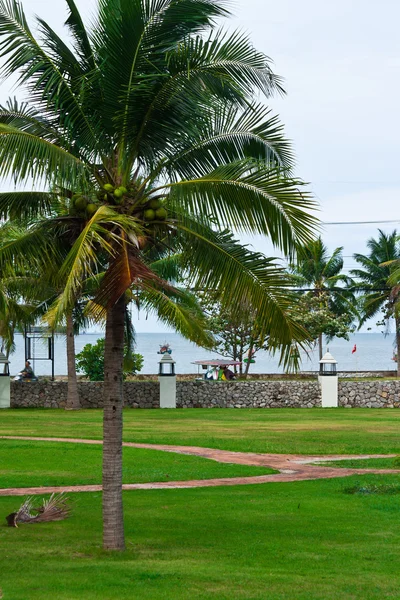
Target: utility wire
{"type": "Point", "coordinates": [338, 289]}
{"type": "Point", "coordinates": [359, 222]}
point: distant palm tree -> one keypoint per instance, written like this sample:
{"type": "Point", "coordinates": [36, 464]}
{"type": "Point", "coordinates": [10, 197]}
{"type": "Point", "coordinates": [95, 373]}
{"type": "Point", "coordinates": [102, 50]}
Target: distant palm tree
{"type": "Point", "coordinates": [379, 281]}
{"type": "Point", "coordinates": [322, 273]}
{"type": "Point", "coordinates": [147, 123]}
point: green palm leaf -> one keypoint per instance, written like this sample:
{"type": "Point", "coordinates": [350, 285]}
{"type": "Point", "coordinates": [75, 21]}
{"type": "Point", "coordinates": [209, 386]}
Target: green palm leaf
{"type": "Point", "coordinates": [24, 155]}
{"type": "Point", "coordinates": [175, 311]}
{"type": "Point", "coordinates": [250, 199]}
{"type": "Point", "coordinates": [43, 72]}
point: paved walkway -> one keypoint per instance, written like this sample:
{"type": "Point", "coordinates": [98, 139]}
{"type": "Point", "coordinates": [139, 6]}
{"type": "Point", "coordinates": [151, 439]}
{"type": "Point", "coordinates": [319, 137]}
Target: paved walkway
{"type": "Point", "coordinates": [291, 467]}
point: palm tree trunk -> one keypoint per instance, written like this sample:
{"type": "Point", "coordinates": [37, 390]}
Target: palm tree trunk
{"type": "Point", "coordinates": [320, 341]}
{"type": "Point", "coordinates": [113, 524]}
{"type": "Point", "coordinates": [73, 402]}
{"type": "Point", "coordinates": [397, 322]}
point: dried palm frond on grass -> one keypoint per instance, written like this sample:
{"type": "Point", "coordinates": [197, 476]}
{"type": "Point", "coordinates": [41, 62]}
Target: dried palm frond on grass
{"type": "Point", "coordinates": [56, 508]}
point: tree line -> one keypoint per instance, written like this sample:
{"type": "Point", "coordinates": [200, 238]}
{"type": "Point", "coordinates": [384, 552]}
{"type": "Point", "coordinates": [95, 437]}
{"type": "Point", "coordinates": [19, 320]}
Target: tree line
{"type": "Point", "coordinates": [327, 302]}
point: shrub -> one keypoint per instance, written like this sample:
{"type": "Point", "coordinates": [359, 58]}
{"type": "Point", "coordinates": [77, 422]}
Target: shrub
{"type": "Point", "coordinates": [91, 361]}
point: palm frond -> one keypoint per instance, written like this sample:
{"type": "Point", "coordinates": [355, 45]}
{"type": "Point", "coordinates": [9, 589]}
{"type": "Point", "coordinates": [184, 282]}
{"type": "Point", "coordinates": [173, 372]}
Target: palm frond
{"type": "Point", "coordinates": [27, 118]}
{"type": "Point", "coordinates": [227, 135]}
{"type": "Point", "coordinates": [24, 206]}
{"type": "Point", "coordinates": [250, 199]}
{"type": "Point", "coordinates": [125, 269]}
{"type": "Point", "coordinates": [177, 310]}
{"type": "Point", "coordinates": [44, 73]}
{"type": "Point", "coordinates": [24, 155]}
{"type": "Point", "coordinates": [77, 29]}
{"type": "Point", "coordinates": [56, 508]}
{"type": "Point", "coordinates": [238, 276]}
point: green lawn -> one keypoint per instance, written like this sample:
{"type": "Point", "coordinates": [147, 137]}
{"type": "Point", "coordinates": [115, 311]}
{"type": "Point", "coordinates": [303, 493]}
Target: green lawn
{"type": "Point", "coordinates": [368, 463]}
{"type": "Point", "coordinates": [303, 541]}
{"type": "Point", "coordinates": [24, 464]}
{"type": "Point", "coordinates": [303, 431]}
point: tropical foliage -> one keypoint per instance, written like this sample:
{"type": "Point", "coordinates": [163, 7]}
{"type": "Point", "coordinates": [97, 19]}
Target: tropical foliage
{"type": "Point", "coordinates": [236, 332]}
{"type": "Point", "coordinates": [378, 281]}
{"type": "Point", "coordinates": [327, 306]}
{"type": "Point", "coordinates": [90, 361]}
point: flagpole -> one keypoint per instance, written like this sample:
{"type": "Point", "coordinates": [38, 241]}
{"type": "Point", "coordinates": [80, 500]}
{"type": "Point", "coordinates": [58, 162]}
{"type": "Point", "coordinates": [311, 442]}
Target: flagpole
{"type": "Point", "coordinates": [356, 363]}
{"type": "Point", "coordinates": [354, 351]}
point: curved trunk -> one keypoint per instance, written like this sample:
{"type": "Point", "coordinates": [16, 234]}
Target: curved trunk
{"type": "Point", "coordinates": [397, 321]}
{"type": "Point", "coordinates": [113, 524]}
{"type": "Point", "coordinates": [73, 402]}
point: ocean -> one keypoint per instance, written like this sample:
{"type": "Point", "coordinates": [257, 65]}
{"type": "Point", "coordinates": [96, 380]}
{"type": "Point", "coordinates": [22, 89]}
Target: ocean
{"type": "Point", "coordinates": [374, 352]}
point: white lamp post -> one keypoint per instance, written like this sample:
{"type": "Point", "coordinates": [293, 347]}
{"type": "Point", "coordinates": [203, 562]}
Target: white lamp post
{"type": "Point", "coordinates": [167, 379]}
{"type": "Point", "coordinates": [4, 382]}
{"type": "Point", "coordinates": [328, 380]}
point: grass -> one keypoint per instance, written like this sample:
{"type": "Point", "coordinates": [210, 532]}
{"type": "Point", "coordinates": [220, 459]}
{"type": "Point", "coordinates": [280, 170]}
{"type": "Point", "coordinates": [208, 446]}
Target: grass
{"type": "Point", "coordinates": [24, 464]}
{"type": "Point", "coordinates": [372, 488]}
{"type": "Point", "coordinates": [300, 431]}
{"type": "Point", "coordinates": [367, 463]}
{"type": "Point", "coordinates": [303, 541]}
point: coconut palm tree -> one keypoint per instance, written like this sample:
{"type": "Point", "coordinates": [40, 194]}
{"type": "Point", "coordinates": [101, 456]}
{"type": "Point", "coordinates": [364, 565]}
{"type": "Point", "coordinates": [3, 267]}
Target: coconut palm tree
{"type": "Point", "coordinates": [378, 281]}
{"type": "Point", "coordinates": [321, 272]}
{"type": "Point", "coordinates": [38, 282]}
{"type": "Point", "coordinates": [17, 310]}
{"type": "Point", "coordinates": [146, 124]}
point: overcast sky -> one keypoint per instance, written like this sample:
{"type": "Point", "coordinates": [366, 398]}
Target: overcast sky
{"type": "Point", "coordinates": [341, 65]}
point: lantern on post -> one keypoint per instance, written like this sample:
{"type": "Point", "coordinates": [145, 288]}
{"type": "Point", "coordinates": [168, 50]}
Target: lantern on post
{"type": "Point", "coordinates": [166, 366]}
{"type": "Point", "coordinates": [4, 381]}
{"type": "Point", "coordinates": [328, 379]}
{"type": "Point", "coordinates": [167, 380]}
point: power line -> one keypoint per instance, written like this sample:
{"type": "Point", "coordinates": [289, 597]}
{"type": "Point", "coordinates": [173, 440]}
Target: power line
{"type": "Point", "coordinates": [340, 289]}
{"type": "Point", "coordinates": [359, 222]}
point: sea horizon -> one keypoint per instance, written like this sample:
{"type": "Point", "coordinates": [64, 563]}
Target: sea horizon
{"type": "Point", "coordinates": [374, 352]}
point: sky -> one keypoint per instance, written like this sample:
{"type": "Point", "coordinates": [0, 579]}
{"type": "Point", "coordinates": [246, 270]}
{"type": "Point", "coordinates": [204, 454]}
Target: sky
{"type": "Point", "coordinates": [341, 67]}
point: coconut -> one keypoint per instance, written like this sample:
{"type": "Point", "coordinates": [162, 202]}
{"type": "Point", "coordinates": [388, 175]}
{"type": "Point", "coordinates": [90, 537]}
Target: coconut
{"type": "Point", "coordinates": [81, 203]}
{"type": "Point", "coordinates": [149, 215]}
{"type": "Point", "coordinates": [108, 187]}
{"type": "Point", "coordinates": [154, 204]}
{"type": "Point", "coordinates": [91, 209]}
{"type": "Point", "coordinates": [161, 213]}
{"type": "Point", "coordinates": [118, 193]}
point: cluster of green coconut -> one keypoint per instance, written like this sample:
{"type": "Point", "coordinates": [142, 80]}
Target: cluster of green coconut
{"type": "Point", "coordinates": [116, 193]}
{"type": "Point", "coordinates": [148, 210]}
{"type": "Point", "coordinates": [154, 210]}
{"type": "Point", "coordinates": [151, 210]}
{"type": "Point", "coordinates": [82, 206]}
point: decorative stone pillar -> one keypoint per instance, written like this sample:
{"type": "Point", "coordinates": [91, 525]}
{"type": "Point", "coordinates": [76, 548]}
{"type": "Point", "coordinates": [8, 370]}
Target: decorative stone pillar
{"type": "Point", "coordinates": [4, 382]}
{"type": "Point", "coordinates": [328, 380]}
{"type": "Point", "coordinates": [167, 379]}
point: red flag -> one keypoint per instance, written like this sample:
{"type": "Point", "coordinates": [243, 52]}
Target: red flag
{"type": "Point", "coordinates": [354, 349]}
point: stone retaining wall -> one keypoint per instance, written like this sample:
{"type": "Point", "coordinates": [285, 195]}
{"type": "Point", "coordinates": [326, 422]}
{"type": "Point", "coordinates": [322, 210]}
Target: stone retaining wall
{"type": "Point", "coordinates": [248, 394]}
{"type": "Point", "coordinates": [369, 394]}
{"type": "Point", "coordinates": [198, 394]}
{"type": "Point", "coordinates": [53, 394]}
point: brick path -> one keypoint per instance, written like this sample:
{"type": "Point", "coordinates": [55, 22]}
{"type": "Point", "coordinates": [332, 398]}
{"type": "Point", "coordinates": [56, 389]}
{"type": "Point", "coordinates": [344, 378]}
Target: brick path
{"type": "Point", "coordinates": [291, 467]}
